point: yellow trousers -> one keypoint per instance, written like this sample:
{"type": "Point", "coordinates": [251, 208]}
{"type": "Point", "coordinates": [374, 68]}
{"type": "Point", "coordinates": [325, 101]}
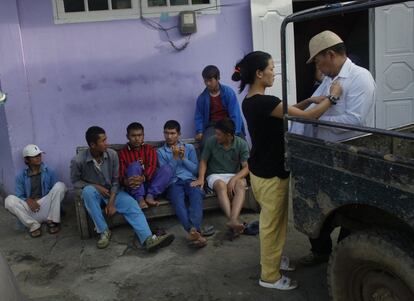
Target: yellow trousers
{"type": "Point", "coordinates": [273, 196]}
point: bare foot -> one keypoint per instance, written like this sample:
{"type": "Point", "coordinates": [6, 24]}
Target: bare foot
{"type": "Point", "coordinates": [236, 227]}
{"type": "Point", "coordinates": [151, 202]}
{"type": "Point", "coordinates": [143, 204]}
{"type": "Point", "coordinates": [195, 239]}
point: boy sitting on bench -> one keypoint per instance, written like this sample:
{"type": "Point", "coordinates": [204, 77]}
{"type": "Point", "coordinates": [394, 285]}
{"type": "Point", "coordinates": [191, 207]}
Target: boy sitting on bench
{"type": "Point", "coordinates": [138, 168]}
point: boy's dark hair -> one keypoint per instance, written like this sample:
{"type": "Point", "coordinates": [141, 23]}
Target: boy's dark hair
{"type": "Point", "coordinates": [134, 126]}
{"type": "Point", "coordinates": [210, 72]}
{"type": "Point", "coordinates": [226, 125]}
{"type": "Point", "coordinates": [338, 48]}
{"type": "Point", "coordinates": [92, 134]}
{"type": "Point", "coordinates": [172, 125]}
{"type": "Point", "coordinates": [245, 70]}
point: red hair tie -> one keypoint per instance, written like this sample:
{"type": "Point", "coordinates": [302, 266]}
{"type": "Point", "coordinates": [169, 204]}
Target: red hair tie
{"type": "Point", "coordinates": [237, 70]}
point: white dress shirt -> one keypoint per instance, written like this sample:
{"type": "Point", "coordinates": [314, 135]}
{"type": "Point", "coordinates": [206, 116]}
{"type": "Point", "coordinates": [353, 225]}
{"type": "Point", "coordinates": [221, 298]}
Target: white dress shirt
{"type": "Point", "coordinates": [356, 105]}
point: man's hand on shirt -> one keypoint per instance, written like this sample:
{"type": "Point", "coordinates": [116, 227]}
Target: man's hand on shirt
{"type": "Point", "coordinates": [182, 152]}
{"type": "Point", "coordinates": [176, 152]}
{"type": "Point", "coordinates": [102, 190]}
{"type": "Point", "coordinates": [335, 89]}
{"type": "Point", "coordinates": [199, 137]}
{"type": "Point", "coordinates": [33, 205]}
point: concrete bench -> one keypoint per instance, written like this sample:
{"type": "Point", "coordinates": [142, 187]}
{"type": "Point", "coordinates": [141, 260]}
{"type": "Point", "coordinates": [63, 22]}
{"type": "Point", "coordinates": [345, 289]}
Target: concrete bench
{"type": "Point", "coordinates": [86, 225]}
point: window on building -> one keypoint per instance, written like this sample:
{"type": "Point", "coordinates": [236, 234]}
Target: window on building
{"type": "Point", "coordinates": [74, 11]}
{"type": "Point", "coordinates": [175, 6]}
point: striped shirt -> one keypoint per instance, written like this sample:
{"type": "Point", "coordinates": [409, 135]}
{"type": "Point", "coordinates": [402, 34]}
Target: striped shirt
{"type": "Point", "coordinates": [146, 155]}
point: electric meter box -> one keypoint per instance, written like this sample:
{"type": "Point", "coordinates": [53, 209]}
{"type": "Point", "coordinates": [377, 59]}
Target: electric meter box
{"type": "Point", "coordinates": [188, 23]}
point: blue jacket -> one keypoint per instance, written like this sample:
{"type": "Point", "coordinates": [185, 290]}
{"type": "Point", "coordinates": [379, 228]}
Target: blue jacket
{"type": "Point", "coordinates": [23, 184]}
{"type": "Point", "coordinates": [186, 169]}
{"type": "Point", "coordinates": [230, 103]}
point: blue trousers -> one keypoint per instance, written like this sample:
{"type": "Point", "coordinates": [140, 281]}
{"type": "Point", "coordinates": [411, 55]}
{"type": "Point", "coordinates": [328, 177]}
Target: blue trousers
{"type": "Point", "coordinates": [124, 205]}
{"type": "Point", "coordinates": [190, 216]}
{"type": "Point", "coordinates": [156, 186]}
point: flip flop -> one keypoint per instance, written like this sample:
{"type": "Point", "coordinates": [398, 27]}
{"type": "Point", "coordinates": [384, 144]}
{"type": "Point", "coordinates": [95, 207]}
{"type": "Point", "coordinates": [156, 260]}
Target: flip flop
{"type": "Point", "coordinates": [53, 228]}
{"type": "Point", "coordinates": [198, 244]}
{"type": "Point", "coordinates": [251, 228]}
{"type": "Point", "coordinates": [283, 284]}
{"type": "Point", "coordinates": [36, 233]}
{"type": "Point", "coordinates": [196, 240]}
{"type": "Point", "coordinates": [208, 230]}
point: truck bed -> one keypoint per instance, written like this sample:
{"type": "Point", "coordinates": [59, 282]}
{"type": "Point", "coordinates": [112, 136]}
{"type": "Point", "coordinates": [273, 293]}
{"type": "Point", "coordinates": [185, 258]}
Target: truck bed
{"type": "Point", "coordinates": [370, 170]}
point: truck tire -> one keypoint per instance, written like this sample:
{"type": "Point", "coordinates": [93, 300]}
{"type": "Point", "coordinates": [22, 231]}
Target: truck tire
{"type": "Point", "coordinates": [370, 266]}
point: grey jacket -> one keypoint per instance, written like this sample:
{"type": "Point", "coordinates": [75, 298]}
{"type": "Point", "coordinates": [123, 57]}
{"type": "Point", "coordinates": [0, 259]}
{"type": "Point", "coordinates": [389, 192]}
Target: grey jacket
{"type": "Point", "coordinates": [83, 171]}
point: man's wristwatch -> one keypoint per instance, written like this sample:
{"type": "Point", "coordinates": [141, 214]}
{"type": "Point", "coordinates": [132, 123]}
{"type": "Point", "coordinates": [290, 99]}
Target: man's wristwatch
{"type": "Point", "coordinates": [333, 99]}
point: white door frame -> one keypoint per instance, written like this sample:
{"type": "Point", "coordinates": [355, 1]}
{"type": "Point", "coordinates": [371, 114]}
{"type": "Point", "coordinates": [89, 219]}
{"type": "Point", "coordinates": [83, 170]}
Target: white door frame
{"type": "Point", "coordinates": [394, 64]}
{"type": "Point", "coordinates": [267, 16]}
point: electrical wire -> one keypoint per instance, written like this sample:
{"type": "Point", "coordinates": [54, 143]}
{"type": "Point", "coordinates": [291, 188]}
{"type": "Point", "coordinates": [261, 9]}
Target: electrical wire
{"type": "Point", "coordinates": [157, 26]}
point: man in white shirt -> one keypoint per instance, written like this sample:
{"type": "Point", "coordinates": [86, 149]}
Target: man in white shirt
{"type": "Point", "coordinates": [356, 105]}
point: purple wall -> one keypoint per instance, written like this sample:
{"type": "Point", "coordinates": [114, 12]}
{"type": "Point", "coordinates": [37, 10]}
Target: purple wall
{"type": "Point", "coordinates": [69, 77]}
{"type": "Point", "coordinates": [16, 115]}
{"type": "Point", "coordinates": [6, 166]}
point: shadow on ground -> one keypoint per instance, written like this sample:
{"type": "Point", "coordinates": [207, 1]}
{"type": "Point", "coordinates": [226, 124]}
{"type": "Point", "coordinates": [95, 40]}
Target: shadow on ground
{"type": "Point", "coordinates": [63, 267]}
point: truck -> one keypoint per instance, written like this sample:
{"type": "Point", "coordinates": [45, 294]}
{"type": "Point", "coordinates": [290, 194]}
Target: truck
{"type": "Point", "coordinates": [364, 184]}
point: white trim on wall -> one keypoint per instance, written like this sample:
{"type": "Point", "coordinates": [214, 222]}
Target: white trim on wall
{"type": "Point", "coordinates": [212, 7]}
{"type": "Point", "coordinates": [63, 17]}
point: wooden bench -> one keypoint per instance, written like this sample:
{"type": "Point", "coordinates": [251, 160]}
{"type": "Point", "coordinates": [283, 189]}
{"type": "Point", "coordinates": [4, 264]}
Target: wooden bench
{"type": "Point", "coordinates": [86, 225]}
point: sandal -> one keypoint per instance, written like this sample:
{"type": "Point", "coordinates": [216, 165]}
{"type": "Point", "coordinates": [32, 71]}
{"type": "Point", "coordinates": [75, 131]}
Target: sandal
{"type": "Point", "coordinates": [285, 264]}
{"type": "Point", "coordinates": [36, 233]}
{"type": "Point", "coordinates": [208, 230]}
{"type": "Point", "coordinates": [199, 243]}
{"type": "Point", "coordinates": [283, 284]}
{"type": "Point", "coordinates": [53, 228]}
{"type": "Point", "coordinates": [251, 228]}
{"type": "Point", "coordinates": [195, 239]}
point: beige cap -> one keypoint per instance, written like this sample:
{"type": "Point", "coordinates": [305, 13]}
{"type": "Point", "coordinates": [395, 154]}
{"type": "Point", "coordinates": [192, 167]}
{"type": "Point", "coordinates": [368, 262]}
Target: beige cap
{"type": "Point", "coordinates": [322, 41]}
{"type": "Point", "coordinates": [31, 150]}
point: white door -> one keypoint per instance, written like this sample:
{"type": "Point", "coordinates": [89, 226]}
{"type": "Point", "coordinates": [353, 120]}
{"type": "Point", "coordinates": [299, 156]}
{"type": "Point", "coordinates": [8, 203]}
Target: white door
{"type": "Point", "coordinates": [267, 16]}
{"type": "Point", "coordinates": [394, 64]}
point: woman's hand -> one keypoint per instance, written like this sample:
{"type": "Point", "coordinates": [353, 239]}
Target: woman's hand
{"type": "Point", "coordinates": [335, 89]}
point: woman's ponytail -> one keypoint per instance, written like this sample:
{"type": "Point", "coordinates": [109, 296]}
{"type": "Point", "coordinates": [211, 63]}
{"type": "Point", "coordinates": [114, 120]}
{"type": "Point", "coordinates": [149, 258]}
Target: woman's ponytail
{"type": "Point", "coordinates": [245, 70]}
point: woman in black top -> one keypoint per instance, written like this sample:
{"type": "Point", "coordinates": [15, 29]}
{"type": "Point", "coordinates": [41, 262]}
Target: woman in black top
{"type": "Point", "coordinates": [269, 179]}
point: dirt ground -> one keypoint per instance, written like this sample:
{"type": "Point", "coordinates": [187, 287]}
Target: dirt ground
{"type": "Point", "coordinates": [63, 267]}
